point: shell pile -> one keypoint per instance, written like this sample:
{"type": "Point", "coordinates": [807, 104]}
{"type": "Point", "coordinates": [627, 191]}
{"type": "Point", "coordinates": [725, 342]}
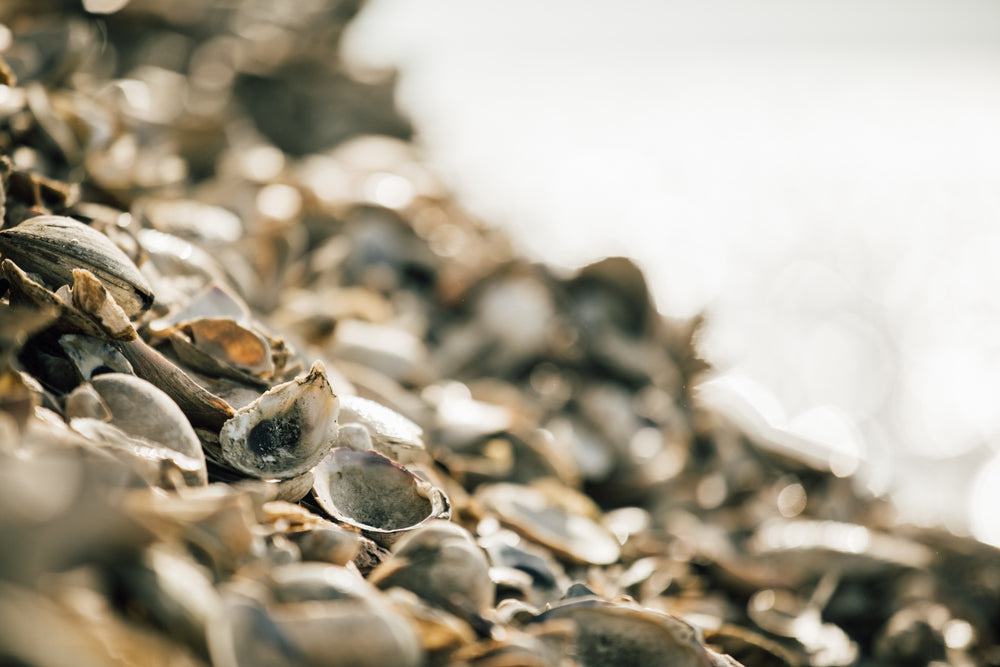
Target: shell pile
{"type": "Point", "coordinates": [268, 396]}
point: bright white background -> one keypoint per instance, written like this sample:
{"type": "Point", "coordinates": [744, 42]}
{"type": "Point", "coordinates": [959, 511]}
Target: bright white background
{"type": "Point", "coordinates": [822, 178]}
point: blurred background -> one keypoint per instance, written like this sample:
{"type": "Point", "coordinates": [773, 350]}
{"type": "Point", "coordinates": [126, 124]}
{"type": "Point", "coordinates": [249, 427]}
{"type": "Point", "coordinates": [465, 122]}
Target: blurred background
{"type": "Point", "coordinates": [821, 179]}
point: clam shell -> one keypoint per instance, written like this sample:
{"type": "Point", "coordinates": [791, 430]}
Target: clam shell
{"type": "Point", "coordinates": [373, 493]}
{"type": "Point", "coordinates": [51, 246]}
{"type": "Point", "coordinates": [286, 431]}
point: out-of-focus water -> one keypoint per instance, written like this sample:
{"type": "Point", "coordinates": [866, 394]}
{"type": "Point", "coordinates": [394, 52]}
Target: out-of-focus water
{"type": "Point", "coordinates": [822, 179]}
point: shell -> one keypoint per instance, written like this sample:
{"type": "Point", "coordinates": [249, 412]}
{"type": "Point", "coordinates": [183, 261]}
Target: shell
{"type": "Point", "coordinates": [537, 516]}
{"type": "Point", "coordinates": [142, 410]}
{"type": "Point", "coordinates": [349, 632]}
{"type": "Point", "coordinates": [441, 563]}
{"type": "Point", "coordinates": [202, 407]}
{"type": "Point", "coordinates": [625, 634]}
{"type": "Point", "coordinates": [153, 461]}
{"type": "Point", "coordinates": [376, 495]}
{"type": "Point", "coordinates": [51, 246]}
{"type": "Point", "coordinates": [391, 433]}
{"type": "Point", "coordinates": [286, 431]}
{"type": "Point", "coordinates": [94, 300]}
{"type": "Point", "coordinates": [92, 356]}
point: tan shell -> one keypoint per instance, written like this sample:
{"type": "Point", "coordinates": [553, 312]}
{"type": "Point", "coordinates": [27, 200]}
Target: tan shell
{"type": "Point", "coordinates": [51, 246]}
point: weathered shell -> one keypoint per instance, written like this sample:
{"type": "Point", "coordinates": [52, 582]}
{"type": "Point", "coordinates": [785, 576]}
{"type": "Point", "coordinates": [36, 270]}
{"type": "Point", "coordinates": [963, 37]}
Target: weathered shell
{"type": "Point", "coordinates": [93, 356]}
{"type": "Point", "coordinates": [143, 410]}
{"type": "Point", "coordinates": [390, 433]}
{"type": "Point", "coordinates": [286, 431]}
{"type": "Point", "coordinates": [389, 349]}
{"type": "Point", "coordinates": [612, 633]}
{"type": "Point", "coordinates": [537, 516]}
{"type": "Point", "coordinates": [171, 590]}
{"type": "Point", "coordinates": [349, 632]}
{"type": "Point", "coordinates": [301, 582]}
{"type": "Point", "coordinates": [93, 299]}
{"type": "Point", "coordinates": [51, 246]}
{"type": "Point", "coordinates": [84, 401]}
{"type": "Point", "coordinates": [380, 497]}
{"type": "Point", "coordinates": [24, 289]}
{"type": "Point", "coordinates": [156, 463]}
{"type": "Point", "coordinates": [442, 564]}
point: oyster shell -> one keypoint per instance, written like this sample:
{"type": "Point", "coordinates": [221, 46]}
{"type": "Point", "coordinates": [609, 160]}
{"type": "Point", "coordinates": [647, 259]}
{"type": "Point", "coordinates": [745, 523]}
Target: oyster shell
{"type": "Point", "coordinates": [51, 246]}
{"type": "Point", "coordinates": [390, 433]}
{"type": "Point", "coordinates": [376, 495]}
{"type": "Point", "coordinates": [442, 564]}
{"type": "Point", "coordinates": [539, 517]}
{"type": "Point", "coordinates": [625, 634]}
{"type": "Point", "coordinates": [286, 431]}
{"type": "Point", "coordinates": [93, 356]}
{"type": "Point", "coordinates": [143, 410]}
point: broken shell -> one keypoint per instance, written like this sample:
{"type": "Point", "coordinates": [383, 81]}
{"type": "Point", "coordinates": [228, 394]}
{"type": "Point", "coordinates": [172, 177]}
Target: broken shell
{"type": "Point", "coordinates": [91, 297]}
{"type": "Point", "coordinates": [538, 517]}
{"type": "Point", "coordinates": [442, 564]}
{"type": "Point", "coordinates": [373, 493]}
{"type": "Point", "coordinates": [391, 433]}
{"type": "Point", "coordinates": [624, 634]}
{"type": "Point", "coordinates": [26, 290]}
{"type": "Point", "coordinates": [231, 344]}
{"type": "Point", "coordinates": [286, 431]}
{"type": "Point", "coordinates": [93, 356]}
{"type": "Point", "coordinates": [84, 401]}
{"type": "Point", "coordinates": [51, 246]}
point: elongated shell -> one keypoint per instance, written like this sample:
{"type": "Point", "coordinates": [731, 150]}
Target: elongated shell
{"type": "Point", "coordinates": [286, 431]}
{"type": "Point", "coordinates": [51, 246]}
